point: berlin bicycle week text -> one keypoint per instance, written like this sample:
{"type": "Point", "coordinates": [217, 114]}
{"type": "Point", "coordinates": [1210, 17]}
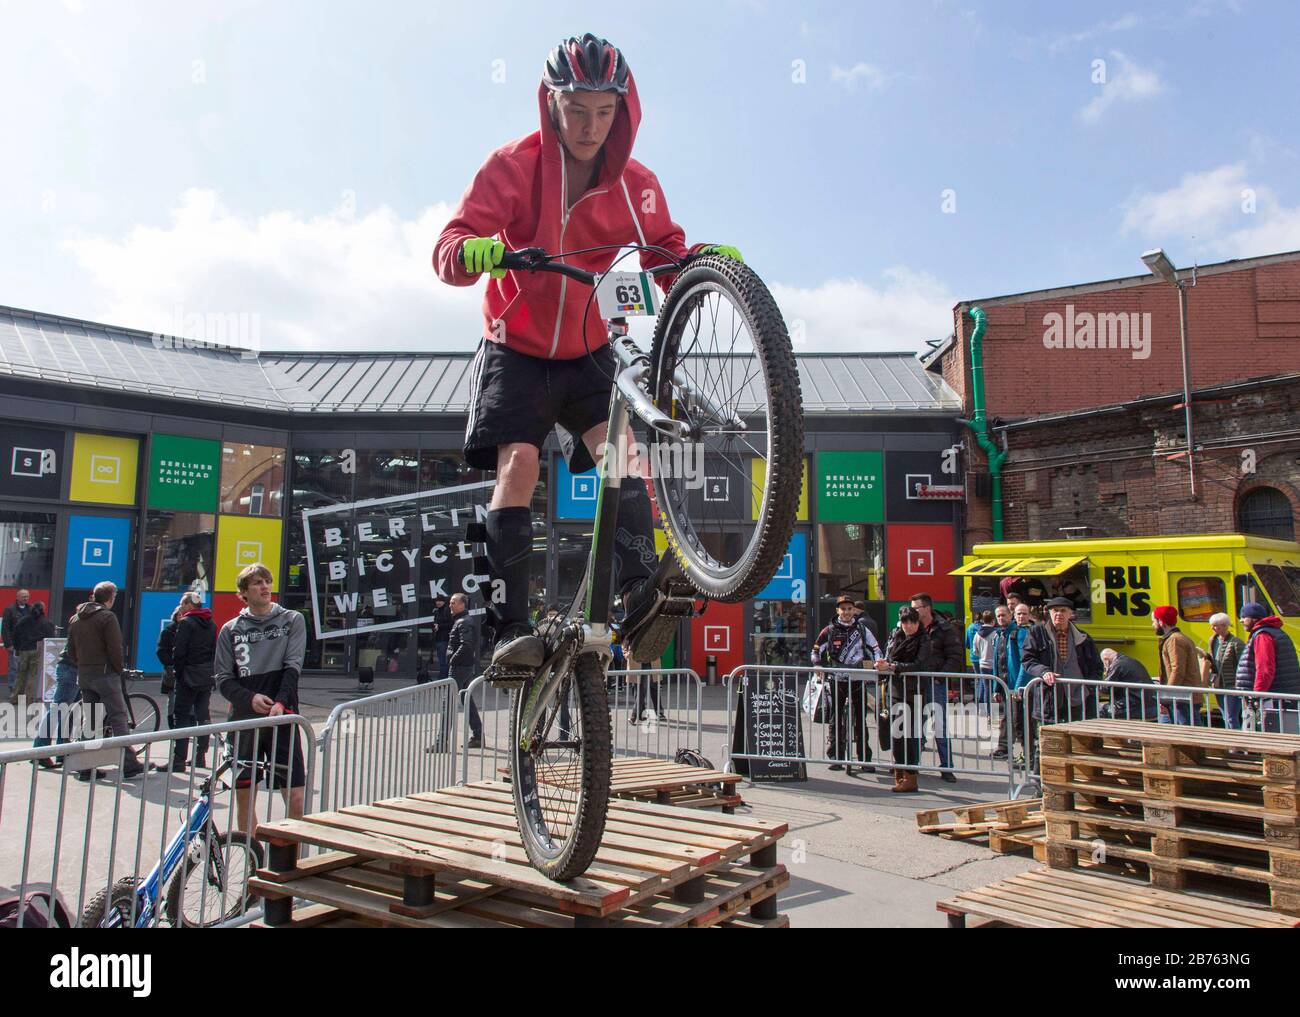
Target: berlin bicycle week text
{"type": "Point", "coordinates": [376, 568]}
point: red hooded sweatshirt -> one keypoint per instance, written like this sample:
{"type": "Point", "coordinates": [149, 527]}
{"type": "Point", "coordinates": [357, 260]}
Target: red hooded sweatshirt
{"type": "Point", "coordinates": [518, 197]}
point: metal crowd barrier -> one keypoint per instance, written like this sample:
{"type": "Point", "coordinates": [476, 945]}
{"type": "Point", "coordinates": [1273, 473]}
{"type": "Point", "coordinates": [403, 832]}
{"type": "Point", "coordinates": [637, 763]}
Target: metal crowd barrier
{"type": "Point", "coordinates": [653, 712]}
{"type": "Point", "coordinates": [784, 717]}
{"type": "Point", "coordinates": [1197, 706]}
{"type": "Point", "coordinates": [388, 745]}
{"type": "Point", "coordinates": [103, 836]}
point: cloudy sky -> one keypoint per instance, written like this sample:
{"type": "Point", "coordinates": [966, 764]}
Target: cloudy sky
{"type": "Point", "coordinates": [293, 162]}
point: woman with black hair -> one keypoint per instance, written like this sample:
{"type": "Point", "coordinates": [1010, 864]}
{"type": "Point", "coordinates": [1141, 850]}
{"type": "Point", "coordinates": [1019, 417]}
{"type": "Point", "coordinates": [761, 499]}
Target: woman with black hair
{"type": "Point", "coordinates": [908, 651]}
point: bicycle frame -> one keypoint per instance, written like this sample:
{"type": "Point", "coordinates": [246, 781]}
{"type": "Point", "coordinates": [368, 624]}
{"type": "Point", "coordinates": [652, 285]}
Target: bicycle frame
{"type": "Point", "coordinates": [586, 627]}
{"type": "Point", "coordinates": [149, 892]}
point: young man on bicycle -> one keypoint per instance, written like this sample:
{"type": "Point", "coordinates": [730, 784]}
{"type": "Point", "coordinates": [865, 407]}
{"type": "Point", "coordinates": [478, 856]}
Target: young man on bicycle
{"type": "Point", "coordinates": [257, 663]}
{"type": "Point", "coordinates": [543, 361]}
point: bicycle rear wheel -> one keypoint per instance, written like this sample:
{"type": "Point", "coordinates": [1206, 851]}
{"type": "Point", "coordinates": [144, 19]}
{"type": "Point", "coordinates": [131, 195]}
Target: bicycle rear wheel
{"type": "Point", "coordinates": [560, 779]}
{"type": "Point", "coordinates": [729, 498]}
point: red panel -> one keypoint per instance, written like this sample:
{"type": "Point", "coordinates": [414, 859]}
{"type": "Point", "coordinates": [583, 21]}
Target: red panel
{"type": "Point", "coordinates": [719, 632]}
{"type": "Point", "coordinates": [7, 596]}
{"type": "Point", "coordinates": [918, 559]}
{"type": "Point", "coordinates": [227, 605]}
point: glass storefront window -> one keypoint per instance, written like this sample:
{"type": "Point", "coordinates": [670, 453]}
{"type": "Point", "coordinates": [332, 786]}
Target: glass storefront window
{"type": "Point", "coordinates": [851, 559]}
{"type": "Point", "coordinates": [27, 549]}
{"type": "Point", "coordinates": [387, 472]}
{"type": "Point", "coordinates": [252, 479]}
{"type": "Point", "coordinates": [178, 550]}
{"type": "Point", "coordinates": [780, 633]}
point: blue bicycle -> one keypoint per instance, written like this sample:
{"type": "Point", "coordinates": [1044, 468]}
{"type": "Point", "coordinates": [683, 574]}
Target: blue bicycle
{"type": "Point", "coordinates": [205, 874]}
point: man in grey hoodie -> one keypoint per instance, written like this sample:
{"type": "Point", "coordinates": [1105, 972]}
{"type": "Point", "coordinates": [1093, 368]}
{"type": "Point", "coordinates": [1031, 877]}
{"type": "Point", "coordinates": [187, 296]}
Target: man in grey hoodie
{"type": "Point", "coordinates": [258, 659]}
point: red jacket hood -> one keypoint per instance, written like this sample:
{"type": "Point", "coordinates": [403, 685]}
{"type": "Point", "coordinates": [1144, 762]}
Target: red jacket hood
{"type": "Point", "coordinates": [1271, 622]}
{"type": "Point", "coordinates": [617, 149]}
{"type": "Point", "coordinates": [200, 612]}
{"type": "Point", "coordinates": [519, 197]}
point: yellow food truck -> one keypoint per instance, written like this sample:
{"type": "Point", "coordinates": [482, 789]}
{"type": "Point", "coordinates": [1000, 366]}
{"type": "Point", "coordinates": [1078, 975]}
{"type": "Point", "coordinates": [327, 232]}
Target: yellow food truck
{"type": "Point", "coordinates": [1115, 582]}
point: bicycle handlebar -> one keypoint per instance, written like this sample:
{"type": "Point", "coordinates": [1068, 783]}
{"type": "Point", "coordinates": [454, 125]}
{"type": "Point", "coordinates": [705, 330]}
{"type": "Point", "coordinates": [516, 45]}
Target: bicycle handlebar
{"type": "Point", "coordinates": [535, 259]}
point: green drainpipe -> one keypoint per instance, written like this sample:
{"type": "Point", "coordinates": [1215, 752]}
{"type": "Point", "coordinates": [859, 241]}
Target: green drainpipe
{"type": "Point", "coordinates": [980, 425]}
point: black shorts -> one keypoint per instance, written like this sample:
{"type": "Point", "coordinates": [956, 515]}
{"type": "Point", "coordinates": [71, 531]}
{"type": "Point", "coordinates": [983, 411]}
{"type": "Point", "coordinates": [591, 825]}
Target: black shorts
{"type": "Point", "coordinates": [518, 398]}
{"type": "Point", "coordinates": [287, 769]}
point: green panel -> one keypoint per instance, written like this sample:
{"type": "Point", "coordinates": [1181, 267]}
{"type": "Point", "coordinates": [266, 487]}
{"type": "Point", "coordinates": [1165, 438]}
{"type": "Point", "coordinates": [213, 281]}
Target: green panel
{"type": "Point", "coordinates": [946, 607]}
{"type": "Point", "coordinates": [850, 487]}
{"type": "Point", "coordinates": [184, 473]}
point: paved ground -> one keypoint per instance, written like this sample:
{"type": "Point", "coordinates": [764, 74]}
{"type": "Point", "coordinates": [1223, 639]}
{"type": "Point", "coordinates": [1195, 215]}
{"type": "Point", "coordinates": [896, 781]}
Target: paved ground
{"type": "Point", "coordinates": [854, 854]}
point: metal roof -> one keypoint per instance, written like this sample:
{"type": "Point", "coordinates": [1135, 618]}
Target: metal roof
{"type": "Point", "coordinates": [88, 355]}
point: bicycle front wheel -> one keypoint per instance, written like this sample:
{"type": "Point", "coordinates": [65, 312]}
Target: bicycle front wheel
{"type": "Point", "coordinates": [560, 771]}
{"type": "Point", "coordinates": [146, 716]}
{"type": "Point", "coordinates": [722, 362]}
{"type": "Point", "coordinates": [212, 885]}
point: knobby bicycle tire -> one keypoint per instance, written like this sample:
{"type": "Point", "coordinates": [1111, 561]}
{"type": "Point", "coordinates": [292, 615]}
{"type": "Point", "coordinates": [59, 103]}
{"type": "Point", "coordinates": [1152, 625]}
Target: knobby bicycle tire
{"type": "Point", "coordinates": [569, 857]}
{"type": "Point", "coordinates": [785, 434]}
{"type": "Point", "coordinates": [121, 896]}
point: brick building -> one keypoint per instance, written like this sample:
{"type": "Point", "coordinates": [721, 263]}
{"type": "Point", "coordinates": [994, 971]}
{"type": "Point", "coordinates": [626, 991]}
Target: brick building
{"type": "Point", "coordinates": [1084, 388]}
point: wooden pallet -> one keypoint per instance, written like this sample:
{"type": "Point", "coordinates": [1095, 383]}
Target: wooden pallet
{"type": "Point", "coordinates": [1032, 841]}
{"type": "Point", "coordinates": [1200, 752]}
{"type": "Point", "coordinates": [661, 781]}
{"type": "Point", "coordinates": [1223, 791]}
{"type": "Point", "coordinates": [1138, 864]}
{"type": "Point", "coordinates": [1052, 899]}
{"type": "Point", "coordinates": [454, 858]}
{"type": "Point", "coordinates": [977, 820]}
{"type": "Point", "coordinates": [1270, 831]}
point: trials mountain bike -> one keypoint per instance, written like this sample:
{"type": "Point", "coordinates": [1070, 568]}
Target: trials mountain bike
{"type": "Point", "coordinates": [201, 879]}
{"type": "Point", "coordinates": [718, 397]}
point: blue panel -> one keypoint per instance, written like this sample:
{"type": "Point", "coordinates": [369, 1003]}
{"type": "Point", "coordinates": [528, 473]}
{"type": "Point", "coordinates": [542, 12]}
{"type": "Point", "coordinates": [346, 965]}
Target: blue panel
{"type": "Point", "coordinates": [575, 494]}
{"type": "Point", "coordinates": [791, 579]}
{"type": "Point", "coordinates": [155, 612]}
{"type": "Point", "coordinates": [98, 549]}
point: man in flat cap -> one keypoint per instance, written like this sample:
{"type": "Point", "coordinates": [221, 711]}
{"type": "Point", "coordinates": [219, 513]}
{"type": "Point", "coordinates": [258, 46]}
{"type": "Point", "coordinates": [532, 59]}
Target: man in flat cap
{"type": "Point", "coordinates": [1060, 649]}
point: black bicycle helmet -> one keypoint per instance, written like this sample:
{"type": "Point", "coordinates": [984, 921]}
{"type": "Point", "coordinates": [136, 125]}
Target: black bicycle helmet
{"type": "Point", "coordinates": [589, 64]}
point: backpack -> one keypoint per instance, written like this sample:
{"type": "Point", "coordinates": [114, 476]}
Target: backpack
{"type": "Point", "coordinates": [40, 909]}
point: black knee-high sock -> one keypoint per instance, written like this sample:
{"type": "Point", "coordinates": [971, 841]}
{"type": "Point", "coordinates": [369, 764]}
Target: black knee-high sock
{"type": "Point", "coordinates": [509, 546]}
{"type": "Point", "coordinates": [635, 557]}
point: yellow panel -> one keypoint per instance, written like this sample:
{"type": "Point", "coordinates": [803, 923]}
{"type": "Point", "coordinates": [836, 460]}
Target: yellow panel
{"type": "Point", "coordinates": [758, 473]}
{"type": "Point", "coordinates": [104, 469]}
{"type": "Point", "coordinates": [244, 541]}
{"type": "Point", "coordinates": [661, 542]}
{"type": "Point", "coordinates": [1018, 566]}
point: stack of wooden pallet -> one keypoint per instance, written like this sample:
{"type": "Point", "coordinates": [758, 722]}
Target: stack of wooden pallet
{"type": "Point", "coordinates": [454, 859]}
{"type": "Point", "coordinates": [1011, 827]}
{"type": "Point", "coordinates": [1182, 808]}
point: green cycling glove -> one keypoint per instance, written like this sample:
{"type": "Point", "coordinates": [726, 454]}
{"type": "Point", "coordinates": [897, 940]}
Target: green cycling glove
{"type": "Point", "coordinates": [483, 254]}
{"type": "Point", "coordinates": [726, 250]}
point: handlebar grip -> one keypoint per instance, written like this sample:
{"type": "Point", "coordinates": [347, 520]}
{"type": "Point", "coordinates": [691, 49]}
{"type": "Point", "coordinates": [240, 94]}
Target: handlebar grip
{"type": "Point", "coordinates": [527, 257]}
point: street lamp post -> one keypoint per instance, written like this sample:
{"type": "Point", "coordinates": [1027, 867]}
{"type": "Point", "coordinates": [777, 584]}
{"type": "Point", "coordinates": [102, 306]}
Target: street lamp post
{"type": "Point", "coordinates": [1159, 264]}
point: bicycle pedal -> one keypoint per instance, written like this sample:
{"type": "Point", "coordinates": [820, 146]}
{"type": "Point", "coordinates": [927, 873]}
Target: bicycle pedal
{"type": "Point", "coordinates": [650, 639]}
{"type": "Point", "coordinates": [507, 677]}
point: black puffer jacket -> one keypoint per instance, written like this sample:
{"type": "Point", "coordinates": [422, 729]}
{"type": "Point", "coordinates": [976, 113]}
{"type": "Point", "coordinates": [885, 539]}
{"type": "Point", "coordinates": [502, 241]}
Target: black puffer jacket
{"type": "Point", "coordinates": [32, 628]}
{"type": "Point", "coordinates": [196, 645]}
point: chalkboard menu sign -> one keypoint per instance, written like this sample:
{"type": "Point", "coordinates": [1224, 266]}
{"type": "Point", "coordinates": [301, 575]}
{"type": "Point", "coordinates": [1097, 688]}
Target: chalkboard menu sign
{"type": "Point", "coordinates": [769, 724]}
